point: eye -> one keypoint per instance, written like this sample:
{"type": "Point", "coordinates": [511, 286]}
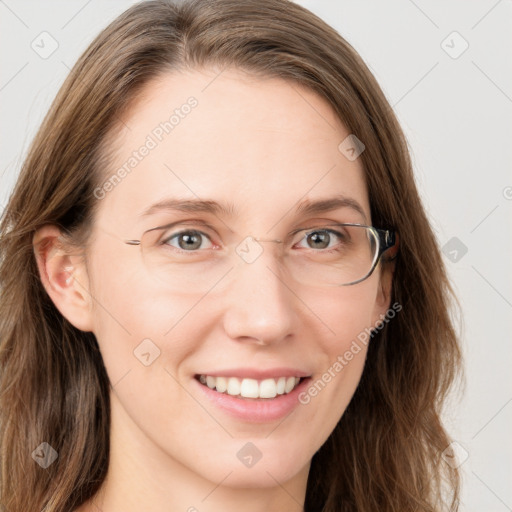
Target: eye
{"type": "Point", "coordinates": [188, 240]}
{"type": "Point", "coordinates": [323, 239]}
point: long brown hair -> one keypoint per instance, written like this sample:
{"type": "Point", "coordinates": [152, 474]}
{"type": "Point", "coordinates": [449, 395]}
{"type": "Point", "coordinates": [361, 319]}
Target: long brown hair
{"type": "Point", "coordinates": [385, 452]}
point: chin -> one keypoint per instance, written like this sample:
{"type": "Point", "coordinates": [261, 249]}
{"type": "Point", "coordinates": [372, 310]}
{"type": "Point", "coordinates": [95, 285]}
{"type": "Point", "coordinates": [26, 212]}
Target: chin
{"type": "Point", "coordinates": [249, 465]}
{"type": "Point", "coordinates": [262, 475]}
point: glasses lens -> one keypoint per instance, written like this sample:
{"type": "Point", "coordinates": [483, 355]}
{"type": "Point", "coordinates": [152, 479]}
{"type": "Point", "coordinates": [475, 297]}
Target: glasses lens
{"type": "Point", "coordinates": [331, 255]}
{"type": "Point", "coordinates": [336, 255]}
{"type": "Point", "coordinates": [182, 258]}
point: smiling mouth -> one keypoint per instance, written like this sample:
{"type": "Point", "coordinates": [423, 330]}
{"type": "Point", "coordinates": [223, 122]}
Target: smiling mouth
{"type": "Point", "coordinates": [250, 388]}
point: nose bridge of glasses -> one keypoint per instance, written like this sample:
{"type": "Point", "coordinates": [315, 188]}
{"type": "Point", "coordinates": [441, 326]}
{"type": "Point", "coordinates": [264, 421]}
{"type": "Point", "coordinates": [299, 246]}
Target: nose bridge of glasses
{"type": "Point", "coordinates": [261, 258]}
{"type": "Point", "coordinates": [252, 248]}
{"type": "Point", "coordinates": [268, 240]}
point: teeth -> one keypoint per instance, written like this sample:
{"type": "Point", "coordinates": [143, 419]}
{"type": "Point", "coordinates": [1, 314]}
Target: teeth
{"type": "Point", "coordinates": [281, 383]}
{"type": "Point", "coordinates": [233, 386]}
{"type": "Point", "coordinates": [251, 388]}
{"type": "Point", "coordinates": [290, 384]}
{"type": "Point", "coordinates": [221, 384]}
{"type": "Point", "coordinates": [268, 388]}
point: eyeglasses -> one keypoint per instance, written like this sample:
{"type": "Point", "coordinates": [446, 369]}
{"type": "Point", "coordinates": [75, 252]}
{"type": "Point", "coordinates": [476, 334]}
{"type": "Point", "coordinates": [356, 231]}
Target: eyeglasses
{"type": "Point", "coordinates": [189, 257]}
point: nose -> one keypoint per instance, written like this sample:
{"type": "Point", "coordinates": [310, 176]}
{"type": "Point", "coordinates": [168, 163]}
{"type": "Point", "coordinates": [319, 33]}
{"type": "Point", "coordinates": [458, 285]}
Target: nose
{"type": "Point", "coordinates": [261, 307]}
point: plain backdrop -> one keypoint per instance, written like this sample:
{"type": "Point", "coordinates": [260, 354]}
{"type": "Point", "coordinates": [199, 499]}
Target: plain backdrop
{"type": "Point", "coordinates": [445, 67]}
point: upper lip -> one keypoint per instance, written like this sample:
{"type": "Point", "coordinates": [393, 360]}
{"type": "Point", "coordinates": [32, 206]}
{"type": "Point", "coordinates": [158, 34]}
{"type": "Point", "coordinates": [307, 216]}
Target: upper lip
{"type": "Point", "coordinates": [257, 373]}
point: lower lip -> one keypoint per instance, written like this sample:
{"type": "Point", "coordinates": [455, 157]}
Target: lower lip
{"type": "Point", "coordinates": [256, 410]}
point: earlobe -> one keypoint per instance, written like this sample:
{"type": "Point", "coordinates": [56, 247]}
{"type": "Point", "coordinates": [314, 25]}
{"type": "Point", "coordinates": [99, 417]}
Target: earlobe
{"type": "Point", "coordinates": [63, 275]}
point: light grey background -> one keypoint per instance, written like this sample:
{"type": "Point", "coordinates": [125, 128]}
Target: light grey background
{"type": "Point", "coordinates": [456, 112]}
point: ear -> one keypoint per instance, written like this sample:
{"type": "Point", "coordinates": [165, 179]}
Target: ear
{"type": "Point", "coordinates": [63, 274]}
{"type": "Point", "coordinates": [383, 297]}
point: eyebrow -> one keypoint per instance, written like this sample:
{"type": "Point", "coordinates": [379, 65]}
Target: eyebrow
{"type": "Point", "coordinates": [306, 207]}
{"type": "Point", "coordinates": [327, 205]}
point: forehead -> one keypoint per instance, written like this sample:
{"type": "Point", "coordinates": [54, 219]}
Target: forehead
{"type": "Point", "coordinates": [260, 144]}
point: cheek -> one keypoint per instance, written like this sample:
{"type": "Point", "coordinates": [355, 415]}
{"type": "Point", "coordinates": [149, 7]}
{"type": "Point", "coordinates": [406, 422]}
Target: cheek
{"type": "Point", "coordinates": [346, 314]}
{"type": "Point", "coordinates": [135, 316]}
{"type": "Point", "coordinates": [347, 319]}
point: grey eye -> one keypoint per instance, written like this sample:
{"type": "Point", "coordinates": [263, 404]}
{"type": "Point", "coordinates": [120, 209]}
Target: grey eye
{"type": "Point", "coordinates": [187, 240]}
{"type": "Point", "coordinates": [319, 239]}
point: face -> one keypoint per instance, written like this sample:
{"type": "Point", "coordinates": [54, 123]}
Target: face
{"type": "Point", "coordinates": [259, 147]}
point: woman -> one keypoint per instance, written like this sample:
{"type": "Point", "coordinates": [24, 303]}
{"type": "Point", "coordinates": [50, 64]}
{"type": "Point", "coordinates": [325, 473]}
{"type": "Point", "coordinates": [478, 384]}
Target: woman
{"type": "Point", "coordinates": [220, 290]}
